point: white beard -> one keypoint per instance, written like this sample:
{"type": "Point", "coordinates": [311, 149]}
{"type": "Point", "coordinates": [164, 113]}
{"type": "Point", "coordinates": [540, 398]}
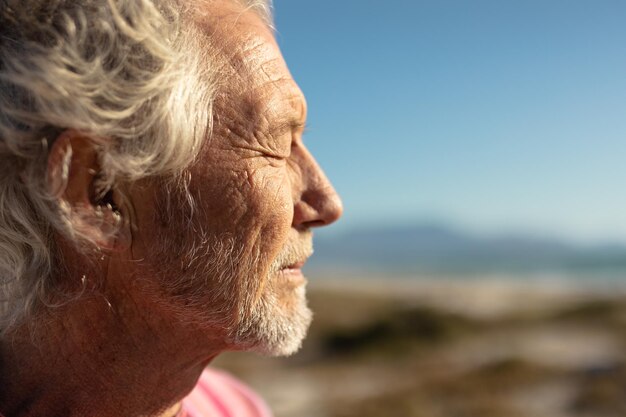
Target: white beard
{"type": "Point", "coordinates": [214, 283]}
{"type": "Point", "coordinates": [270, 329]}
{"type": "Point", "coordinates": [220, 290]}
{"type": "Point", "coordinates": [272, 325]}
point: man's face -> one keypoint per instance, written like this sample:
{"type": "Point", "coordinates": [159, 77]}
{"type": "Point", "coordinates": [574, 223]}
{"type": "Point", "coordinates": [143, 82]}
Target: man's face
{"type": "Point", "coordinates": [232, 256]}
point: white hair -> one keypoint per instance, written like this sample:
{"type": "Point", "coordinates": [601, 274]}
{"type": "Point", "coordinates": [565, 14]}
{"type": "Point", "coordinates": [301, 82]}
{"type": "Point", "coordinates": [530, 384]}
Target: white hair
{"type": "Point", "coordinates": [130, 74]}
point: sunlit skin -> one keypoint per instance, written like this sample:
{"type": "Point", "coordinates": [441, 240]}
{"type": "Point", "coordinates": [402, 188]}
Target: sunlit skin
{"type": "Point", "coordinates": [127, 346]}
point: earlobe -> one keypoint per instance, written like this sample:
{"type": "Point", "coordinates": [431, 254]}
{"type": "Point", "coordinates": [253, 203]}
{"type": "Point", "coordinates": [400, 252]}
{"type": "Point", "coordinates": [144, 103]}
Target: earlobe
{"type": "Point", "coordinates": [72, 172]}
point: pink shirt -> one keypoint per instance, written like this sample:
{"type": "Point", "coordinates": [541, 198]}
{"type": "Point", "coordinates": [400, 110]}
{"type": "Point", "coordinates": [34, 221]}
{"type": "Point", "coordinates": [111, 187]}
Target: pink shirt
{"type": "Point", "coordinates": [219, 394]}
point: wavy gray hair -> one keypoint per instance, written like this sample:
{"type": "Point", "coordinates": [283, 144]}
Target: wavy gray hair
{"type": "Point", "coordinates": [129, 71]}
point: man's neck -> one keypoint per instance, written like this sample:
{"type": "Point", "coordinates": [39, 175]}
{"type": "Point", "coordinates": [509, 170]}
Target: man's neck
{"type": "Point", "coordinates": [98, 358]}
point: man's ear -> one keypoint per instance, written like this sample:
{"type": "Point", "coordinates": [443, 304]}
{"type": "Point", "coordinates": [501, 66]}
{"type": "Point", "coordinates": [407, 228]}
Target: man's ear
{"type": "Point", "coordinates": [72, 178]}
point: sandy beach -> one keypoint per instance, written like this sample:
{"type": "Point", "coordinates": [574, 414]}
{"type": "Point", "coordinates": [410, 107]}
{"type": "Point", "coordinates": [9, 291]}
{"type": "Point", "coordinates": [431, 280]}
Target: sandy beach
{"type": "Point", "coordinates": [443, 347]}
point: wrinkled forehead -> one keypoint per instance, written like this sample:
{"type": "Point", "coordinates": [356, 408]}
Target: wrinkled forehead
{"type": "Point", "coordinates": [251, 64]}
{"type": "Point", "coordinates": [239, 37]}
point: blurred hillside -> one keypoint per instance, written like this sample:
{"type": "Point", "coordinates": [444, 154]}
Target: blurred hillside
{"type": "Point", "coordinates": [438, 249]}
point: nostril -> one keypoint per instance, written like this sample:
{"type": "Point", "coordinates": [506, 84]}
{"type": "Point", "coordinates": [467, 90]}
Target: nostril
{"type": "Point", "coordinates": [317, 208]}
{"type": "Point", "coordinates": [317, 223]}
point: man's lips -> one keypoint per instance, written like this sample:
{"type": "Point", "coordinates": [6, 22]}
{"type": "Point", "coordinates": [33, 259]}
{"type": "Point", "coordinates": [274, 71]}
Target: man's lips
{"type": "Point", "coordinates": [297, 265]}
{"type": "Point", "coordinates": [293, 273]}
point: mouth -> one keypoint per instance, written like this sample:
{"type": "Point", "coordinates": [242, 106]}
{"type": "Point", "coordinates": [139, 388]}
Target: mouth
{"type": "Point", "coordinates": [293, 273]}
{"type": "Point", "coordinates": [289, 262]}
{"type": "Point", "coordinates": [296, 265]}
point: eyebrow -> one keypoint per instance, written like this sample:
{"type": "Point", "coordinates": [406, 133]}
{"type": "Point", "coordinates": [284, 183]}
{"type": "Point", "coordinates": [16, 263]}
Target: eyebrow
{"type": "Point", "coordinates": [291, 119]}
{"type": "Point", "coordinates": [282, 128]}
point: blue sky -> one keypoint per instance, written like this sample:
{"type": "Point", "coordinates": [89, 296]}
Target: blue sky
{"type": "Point", "coordinates": [492, 115]}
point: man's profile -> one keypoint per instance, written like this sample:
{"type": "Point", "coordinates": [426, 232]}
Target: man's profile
{"type": "Point", "coordinates": [156, 205]}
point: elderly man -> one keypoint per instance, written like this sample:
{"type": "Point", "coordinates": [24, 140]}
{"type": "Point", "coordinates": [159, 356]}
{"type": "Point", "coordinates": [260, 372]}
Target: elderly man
{"type": "Point", "coordinates": [156, 205]}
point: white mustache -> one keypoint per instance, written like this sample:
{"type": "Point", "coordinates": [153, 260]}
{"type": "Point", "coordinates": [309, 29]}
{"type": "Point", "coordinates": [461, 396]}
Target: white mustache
{"type": "Point", "coordinates": [294, 252]}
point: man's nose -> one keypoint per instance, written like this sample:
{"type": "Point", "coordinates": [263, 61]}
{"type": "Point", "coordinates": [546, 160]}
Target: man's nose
{"type": "Point", "coordinates": [317, 203]}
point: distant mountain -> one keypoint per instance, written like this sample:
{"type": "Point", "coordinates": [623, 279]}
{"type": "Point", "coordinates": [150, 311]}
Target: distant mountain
{"type": "Point", "coordinates": [435, 248]}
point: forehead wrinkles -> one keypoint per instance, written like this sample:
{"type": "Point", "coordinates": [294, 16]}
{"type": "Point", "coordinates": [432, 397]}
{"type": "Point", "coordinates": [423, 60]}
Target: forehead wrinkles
{"type": "Point", "coordinates": [259, 85]}
{"type": "Point", "coordinates": [256, 92]}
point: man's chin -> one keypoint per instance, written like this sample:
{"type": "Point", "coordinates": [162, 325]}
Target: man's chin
{"type": "Point", "coordinates": [274, 331]}
{"type": "Point", "coordinates": [290, 344]}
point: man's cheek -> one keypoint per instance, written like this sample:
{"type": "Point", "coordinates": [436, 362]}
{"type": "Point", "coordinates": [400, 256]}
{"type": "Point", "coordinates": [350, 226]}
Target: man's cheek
{"type": "Point", "coordinates": [271, 207]}
{"type": "Point", "coordinates": [221, 200]}
{"type": "Point", "coordinates": [269, 194]}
